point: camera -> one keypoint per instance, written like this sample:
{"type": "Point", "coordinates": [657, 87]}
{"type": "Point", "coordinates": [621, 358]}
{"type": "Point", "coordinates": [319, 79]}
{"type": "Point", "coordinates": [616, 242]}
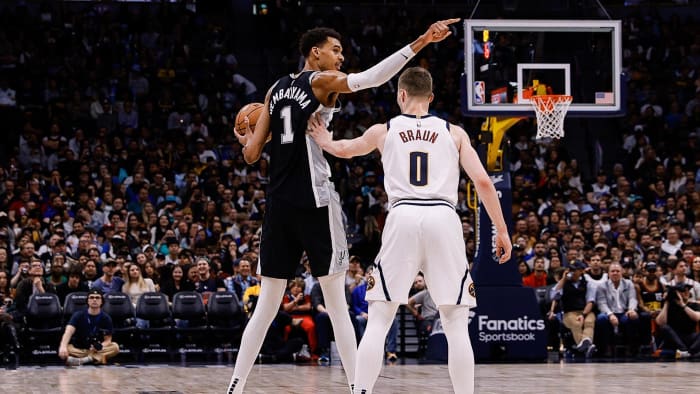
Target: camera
{"type": "Point", "coordinates": [569, 275]}
{"type": "Point", "coordinates": [95, 342]}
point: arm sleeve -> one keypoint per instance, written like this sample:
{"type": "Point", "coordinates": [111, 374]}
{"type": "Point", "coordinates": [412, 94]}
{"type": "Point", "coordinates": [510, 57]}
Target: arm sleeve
{"type": "Point", "coordinates": [601, 301]}
{"type": "Point", "coordinates": [382, 71]}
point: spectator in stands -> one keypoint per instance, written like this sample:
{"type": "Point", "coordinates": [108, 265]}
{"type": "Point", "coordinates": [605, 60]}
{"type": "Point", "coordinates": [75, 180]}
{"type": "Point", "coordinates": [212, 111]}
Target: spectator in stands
{"type": "Point", "coordinates": [324, 330]}
{"type": "Point", "coordinates": [678, 322]}
{"type": "Point", "coordinates": [108, 282]}
{"type": "Point", "coordinates": [595, 275]}
{"type": "Point", "coordinates": [88, 335]}
{"type": "Point", "coordinates": [679, 271]}
{"type": "Point", "coordinates": [241, 281]}
{"type": "Point", "coordinates": [577, 300]}
{"type": "Point", "coordinates": [72, 285]}
{"type": "Point", "coordinates": [616, 299]}
{"type": "Point", "coordinates": [33, 284]}
{"type": "Point", "coordinates": [650, 297]}
{"type": "Point", "coordinates": [206, 283]}
{"type": "Point", "coordinates": [359, 308]}
{"type": "Point", "coordinates": [176, 283]}
{"type": "Point", "coordinates": [423, 309]}
{"type": "Point", "coordinates": [135, 284]}
{"type": "Point", "coordinates": [538, 278]}
{"type": "Point", "coordinates": [299, 307]}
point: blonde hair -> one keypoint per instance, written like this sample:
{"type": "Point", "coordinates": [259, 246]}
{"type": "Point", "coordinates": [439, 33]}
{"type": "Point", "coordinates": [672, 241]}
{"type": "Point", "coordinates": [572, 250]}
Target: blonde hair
{"type": "Point", "coordinates": [128, 282]}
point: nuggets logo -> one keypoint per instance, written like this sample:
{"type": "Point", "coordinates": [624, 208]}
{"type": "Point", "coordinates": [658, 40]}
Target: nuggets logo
{"type": "Point", "coordinates": [370, 283]}
{"type": "Point", "coordinates": [472, 290]}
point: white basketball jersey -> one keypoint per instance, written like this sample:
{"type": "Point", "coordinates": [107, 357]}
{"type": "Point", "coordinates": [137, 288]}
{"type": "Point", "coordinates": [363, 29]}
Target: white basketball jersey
{"type": "Point", "coordinates": [420, 160]}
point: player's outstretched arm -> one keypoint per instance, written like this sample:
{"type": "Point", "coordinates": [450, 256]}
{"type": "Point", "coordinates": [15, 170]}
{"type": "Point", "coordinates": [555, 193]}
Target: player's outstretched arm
{"type": "Point", "coordinates": [254, 142]}
{"type": "Point", "coordinates": [346, 149]}
{"type": "Point", "coordinates": [336, 81]}
{"type": "Point", "coordinates": [469, 160]}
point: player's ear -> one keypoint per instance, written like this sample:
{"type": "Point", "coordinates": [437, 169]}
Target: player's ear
{"type": "Point", "coordinates": [316, 52]}
{"type": "Point", "coordinates": [431, 97]}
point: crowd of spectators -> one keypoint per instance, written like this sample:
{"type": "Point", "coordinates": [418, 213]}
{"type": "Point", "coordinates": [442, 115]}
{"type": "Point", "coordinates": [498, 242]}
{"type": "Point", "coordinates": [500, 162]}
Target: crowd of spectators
{"type": "Point", "coordinates": [120, 170]}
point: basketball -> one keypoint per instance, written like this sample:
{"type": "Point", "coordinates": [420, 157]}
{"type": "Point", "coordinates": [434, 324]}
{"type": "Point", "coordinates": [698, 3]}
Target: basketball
{"type": "Point", "coordinates": [252, 111]}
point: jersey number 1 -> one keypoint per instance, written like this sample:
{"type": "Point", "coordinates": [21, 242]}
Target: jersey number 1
{"type": "Point", "coordinates": [419, 168]}
{"type": "Point", "coordinates": [286, 116]}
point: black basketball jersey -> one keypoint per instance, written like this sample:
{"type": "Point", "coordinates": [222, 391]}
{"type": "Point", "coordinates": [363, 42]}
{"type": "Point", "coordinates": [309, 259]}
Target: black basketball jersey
{"type": "Point", "coordinates": [299, 173]}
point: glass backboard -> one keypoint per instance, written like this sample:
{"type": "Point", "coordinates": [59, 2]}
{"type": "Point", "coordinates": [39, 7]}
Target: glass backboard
{"type": "Point", "coordinates": [508, 61]}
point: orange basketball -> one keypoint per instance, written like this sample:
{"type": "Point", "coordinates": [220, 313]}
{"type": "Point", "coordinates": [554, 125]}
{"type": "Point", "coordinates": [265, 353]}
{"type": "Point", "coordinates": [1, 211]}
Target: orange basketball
{"type": "Point", "coordinates": [252, 111]}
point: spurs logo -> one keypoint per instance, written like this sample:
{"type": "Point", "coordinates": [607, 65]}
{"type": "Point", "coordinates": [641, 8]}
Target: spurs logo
{"type": "Point", "coordinates": [370, 283]}
{"type": "Point", "coordinates": [472, 290]}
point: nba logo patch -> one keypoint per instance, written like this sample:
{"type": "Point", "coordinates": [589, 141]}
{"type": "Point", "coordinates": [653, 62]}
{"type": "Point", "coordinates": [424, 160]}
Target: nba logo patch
{"type": "Point", "coordinates": [472, 290]}
{"type": "Point", "coordinates": [370, 283]}
{"type": "Point", "coordinates": [479, 92]}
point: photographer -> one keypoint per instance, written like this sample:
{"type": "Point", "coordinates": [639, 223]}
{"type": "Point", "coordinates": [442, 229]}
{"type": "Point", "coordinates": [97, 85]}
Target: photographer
{"type": "Point", "coordinates": [577, 299]}
{"type": "Point", "coordinates": [34, 283]}
{"type": "Point", "coordinates": [88, 335]}
{"type": "Point", "coordinates": [678, 321]}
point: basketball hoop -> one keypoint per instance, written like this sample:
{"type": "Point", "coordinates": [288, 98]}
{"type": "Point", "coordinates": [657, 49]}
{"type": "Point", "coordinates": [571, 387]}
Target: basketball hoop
{"type": "Point", "coordinates": [550, 111]}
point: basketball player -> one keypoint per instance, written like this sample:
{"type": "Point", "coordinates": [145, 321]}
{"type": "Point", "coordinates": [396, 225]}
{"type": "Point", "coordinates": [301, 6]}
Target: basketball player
{"type": "Point", "coordinates": [421, 155]}
{"type": "Point", "coordinates": [303, 210]}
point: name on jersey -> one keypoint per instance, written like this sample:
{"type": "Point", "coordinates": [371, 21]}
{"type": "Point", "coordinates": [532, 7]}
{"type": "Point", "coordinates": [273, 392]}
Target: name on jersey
{"type": "Point", "coordinates": [292, 93]}
{"type": "Point", "coordinates": [417, 135]}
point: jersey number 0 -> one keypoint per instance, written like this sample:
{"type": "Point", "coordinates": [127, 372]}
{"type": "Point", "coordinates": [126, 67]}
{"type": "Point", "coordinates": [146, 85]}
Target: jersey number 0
{"type": "Point", "coordinates": [419, 168]}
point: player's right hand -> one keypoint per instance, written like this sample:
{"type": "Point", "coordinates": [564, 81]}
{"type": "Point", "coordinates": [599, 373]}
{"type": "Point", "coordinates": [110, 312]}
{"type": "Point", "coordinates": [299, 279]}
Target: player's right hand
{"type": "Point", "coordinates": [503, 246]}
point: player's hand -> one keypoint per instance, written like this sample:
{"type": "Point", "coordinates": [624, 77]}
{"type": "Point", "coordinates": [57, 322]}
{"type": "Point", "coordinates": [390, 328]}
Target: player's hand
{"type": "Point", "coordinates": [439, 30]}
{"type": "Point", "coordinates": [247, 132]}
{"type": "Point", "coordinates": [318, 131]}
{"type": "Point", "coordinates": [503, 247]}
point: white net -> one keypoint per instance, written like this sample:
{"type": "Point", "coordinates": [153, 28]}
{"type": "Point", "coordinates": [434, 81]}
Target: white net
{"type": "Point", "coordinates": [550, 111]}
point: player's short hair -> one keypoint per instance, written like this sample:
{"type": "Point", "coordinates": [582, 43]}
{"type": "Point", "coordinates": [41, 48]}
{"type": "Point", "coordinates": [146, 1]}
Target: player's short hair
{"type": "Point", "coordinates": [416, 81]}
{"type": "Point", "coordinates": [316, 37]}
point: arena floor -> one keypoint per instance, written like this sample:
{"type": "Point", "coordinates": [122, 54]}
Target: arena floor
{"type": "Point", "coordinates": [556, 377]}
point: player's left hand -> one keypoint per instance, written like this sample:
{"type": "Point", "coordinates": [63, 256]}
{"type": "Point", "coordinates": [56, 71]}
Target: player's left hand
{"type": "Point", "coordinates": [243, 139]}
{"type": "Point", "coordinates": [440, 30]}
{"type": "Point", "coordinates": [503, 246]}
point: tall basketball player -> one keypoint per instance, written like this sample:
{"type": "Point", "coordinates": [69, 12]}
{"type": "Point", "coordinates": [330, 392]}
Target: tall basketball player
{"type": "Point", "coordinates": [303, 210]}
{"type": "Point", "coordinates": [421, 155]}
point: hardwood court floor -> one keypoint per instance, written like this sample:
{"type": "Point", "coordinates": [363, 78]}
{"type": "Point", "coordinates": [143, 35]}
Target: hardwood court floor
{"type": "Point", "coordinates": [582, 378]}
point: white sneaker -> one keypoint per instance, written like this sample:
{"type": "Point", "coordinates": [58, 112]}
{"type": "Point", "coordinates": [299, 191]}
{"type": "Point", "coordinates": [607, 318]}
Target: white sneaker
{"type": "Point", "coordinates": [584, 345]}
{"type": "Point", "coordinates": [682, 354]}
{"type": "Point", "coordinates": [304, 354]}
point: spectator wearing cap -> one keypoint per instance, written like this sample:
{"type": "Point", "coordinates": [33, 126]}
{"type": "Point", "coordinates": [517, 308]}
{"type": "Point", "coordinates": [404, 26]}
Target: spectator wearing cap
{"type": "Point", "coordinates": [650, 297]}
{"type": "Point", "coordinates": [108, 282]}
{"type": "Point", "coordinates": [616, 299]}
{"type": "Point", "coordinates": [88, 335]}
{"type": "Point", "coordinates": [577, 300]}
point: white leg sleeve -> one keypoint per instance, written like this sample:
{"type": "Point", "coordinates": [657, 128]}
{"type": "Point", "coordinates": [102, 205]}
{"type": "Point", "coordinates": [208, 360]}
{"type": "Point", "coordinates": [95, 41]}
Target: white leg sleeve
{"type": "Point", "coordinates": [333, 288]}
{"type": "Point", "coordinates": [271, 293]}
{"type": "Point", "coordinates": [460, 357]}
{"type": "Point", "coordinates": [371, 350]}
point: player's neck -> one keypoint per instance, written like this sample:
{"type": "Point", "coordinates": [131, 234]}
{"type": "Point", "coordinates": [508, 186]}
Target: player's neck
{"type": "Point", "coordinates": [415, 108]}
{"type": "Point", "coordinates": [310, 66]}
